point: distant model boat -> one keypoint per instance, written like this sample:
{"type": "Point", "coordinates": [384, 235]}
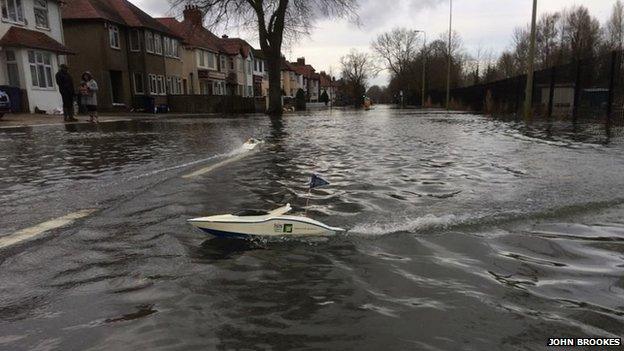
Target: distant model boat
{"type": "Point", "coordinates": [254, 223]}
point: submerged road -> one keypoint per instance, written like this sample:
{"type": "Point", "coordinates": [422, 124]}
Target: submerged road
{"type": "Point", "coordinates": [465, 232]}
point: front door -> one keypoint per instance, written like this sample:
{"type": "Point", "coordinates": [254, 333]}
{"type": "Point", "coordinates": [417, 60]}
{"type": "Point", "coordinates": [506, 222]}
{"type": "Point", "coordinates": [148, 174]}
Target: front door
{"type": "Point", "coordinates": [116, 87]}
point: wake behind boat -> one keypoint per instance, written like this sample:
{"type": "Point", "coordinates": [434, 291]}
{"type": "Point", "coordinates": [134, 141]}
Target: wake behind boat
{"type": "Point", "coordinates": [250, 223]}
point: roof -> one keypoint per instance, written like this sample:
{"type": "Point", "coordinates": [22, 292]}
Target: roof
{"type": "Point", "coordinates": [235, 46]}
{"type": "Point", "coordinates": [118, 11]}
{"type": "Point", "coordinates": [306, 70]}
{"type": "Point", "coordinates": [192, 34]}
{"type": "Point", "coordinates": [325, 79]}
{"type": "Point", "coordinates": [287, 66]}
{"type": "Point", "coordinates": [20, 37]}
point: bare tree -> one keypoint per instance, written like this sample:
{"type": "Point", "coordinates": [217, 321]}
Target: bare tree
{"type": "Point", "coordinates": [521, 40]}
{"type": "Point", "coordinates": [548, 39]}
{"type": "Point", "coordinates": [397, 49]}
{"type": "Point", "coordinates": [506, 65]}
{"type": "Point", "coordinates": [614, 30]}
{"type": "Point", "coordinates": [275, 20]}
{"type": "Point", "coordinates": [582, 33]}
{"type": "Point", "coordinates": [357, 68]}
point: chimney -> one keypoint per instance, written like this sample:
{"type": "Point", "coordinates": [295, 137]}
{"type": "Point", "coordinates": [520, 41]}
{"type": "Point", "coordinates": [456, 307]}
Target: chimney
{"type": "Point", "coordinates": [224, 36]}
{"type": "Point", "coordinates": [193, 14]}
{"type": "Point", "coordinates": [301, 61]}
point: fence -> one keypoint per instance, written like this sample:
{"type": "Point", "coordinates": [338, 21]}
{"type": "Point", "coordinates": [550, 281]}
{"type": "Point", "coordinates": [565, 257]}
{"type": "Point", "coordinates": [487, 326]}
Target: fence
{"type": "Point", "coordinates": [211, 104]}
{"type": "Point", "coordinates": [585, 89]}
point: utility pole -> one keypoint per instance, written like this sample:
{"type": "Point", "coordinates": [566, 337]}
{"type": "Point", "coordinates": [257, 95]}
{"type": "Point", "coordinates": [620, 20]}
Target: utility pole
{"type": "Point", "coordinates": [424, 67]}
{"type": "Point", "coordinates": [448, 73]}
{"type": "Point", "coordinates": [528, 95]}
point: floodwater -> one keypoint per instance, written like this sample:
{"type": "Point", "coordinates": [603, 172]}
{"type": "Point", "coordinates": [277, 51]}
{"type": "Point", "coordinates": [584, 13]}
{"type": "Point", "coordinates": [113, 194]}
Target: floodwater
{"type": "Point", "coordinates": [465, 232]}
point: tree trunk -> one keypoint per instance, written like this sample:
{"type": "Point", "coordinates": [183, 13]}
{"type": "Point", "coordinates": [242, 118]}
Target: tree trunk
{"type": "Point", "coordinates": [275, 84]}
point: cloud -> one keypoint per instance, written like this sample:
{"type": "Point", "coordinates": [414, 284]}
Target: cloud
{"type": "Point", "coordinates": [375, 13]}
{"type": "Point", "coordinates": [487, 24]}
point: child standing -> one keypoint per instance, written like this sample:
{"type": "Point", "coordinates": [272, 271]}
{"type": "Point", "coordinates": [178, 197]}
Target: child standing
{"type": "Point", "coordinates": [88, 91]}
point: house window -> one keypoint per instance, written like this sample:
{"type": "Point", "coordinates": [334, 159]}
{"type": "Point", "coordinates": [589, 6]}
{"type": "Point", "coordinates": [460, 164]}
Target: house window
{"type": "Point", "coordinates": [152, 84]}
{"type": "Point", "coordinates": [160, 85]}
{"type": "Point", "coordinates": [157, 44]}
{"type": "Point", "coordinates": [135, 43]}
{"type": "Point", "coordinates": [222, 63]}
{"type": "Point", "coordinates": [174, 48]}
{"type": "Point", "coordinates": [218, 88]}
{"type": "Point", "coordinates": [231, 63]}
{"type": "Point", "coordinates": [113, 36]}
{"type": "Point", "coordinates": [157, 84]}
{"type": "Point", "coordinates": [212, 60]}
{"type": "Point", "coordinates": [12, 69]}
{"type": "Point", "coordinates": [40, 68]}
{"type": "Point", "coordinates": [174, 85]}
{"type": "Point", "coordinates": [200, 59]}
{"type": "Point", "coordinates": [137, 79]}
{"type": "Point", "coordinates": [12, 10]}
{"type": "Point", "coordinates": [149, 42]}
{"type": "Point", "coordinates": [167, 45]}
{"type": "Point", "coordinates": [41, 14]}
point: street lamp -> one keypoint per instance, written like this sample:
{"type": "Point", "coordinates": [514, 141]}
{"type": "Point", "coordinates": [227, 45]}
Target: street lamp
{"type": "Point", "coordinates": [424, 65]}
{"type": "Point", "coordinates": [528, 95]}
{"type": "Point", "coordinates": [448, 72]}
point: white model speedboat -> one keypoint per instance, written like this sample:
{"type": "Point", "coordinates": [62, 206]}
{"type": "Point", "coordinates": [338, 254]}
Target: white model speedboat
{"type": "Point", "coordinates": [252, 223]}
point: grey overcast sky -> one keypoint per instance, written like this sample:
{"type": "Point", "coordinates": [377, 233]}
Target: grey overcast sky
{"type": "Point", "coordinates": [488, 24]}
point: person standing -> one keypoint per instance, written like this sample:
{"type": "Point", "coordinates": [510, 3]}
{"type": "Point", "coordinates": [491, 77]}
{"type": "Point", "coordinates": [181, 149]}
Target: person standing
{"type": "Point", "coordinates": [66, 88]}
{"type": "Point", "coordinates": [88, 90]}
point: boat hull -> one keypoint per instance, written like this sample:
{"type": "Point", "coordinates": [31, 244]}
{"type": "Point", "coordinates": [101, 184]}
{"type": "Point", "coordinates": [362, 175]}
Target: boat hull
{"type": "Point", "coordinates": [273, 227]}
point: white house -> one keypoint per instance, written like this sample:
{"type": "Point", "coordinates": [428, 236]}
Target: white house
{"type": "Point", "coordinates": [260, 74]}
{"type": "Point", "coordinates": [31, 44]}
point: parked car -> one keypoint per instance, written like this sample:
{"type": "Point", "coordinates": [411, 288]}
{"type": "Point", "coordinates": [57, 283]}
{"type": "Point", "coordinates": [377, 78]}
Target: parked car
{"type": "Point", "coordinates": [5, 103]}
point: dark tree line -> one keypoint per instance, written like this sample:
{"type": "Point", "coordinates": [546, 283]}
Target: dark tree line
{"type": "Point", "coordinates": [562, 37]}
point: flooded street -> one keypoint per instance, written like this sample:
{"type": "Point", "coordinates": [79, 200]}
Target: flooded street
{"type": "Point", "coordinates": [464, 232]}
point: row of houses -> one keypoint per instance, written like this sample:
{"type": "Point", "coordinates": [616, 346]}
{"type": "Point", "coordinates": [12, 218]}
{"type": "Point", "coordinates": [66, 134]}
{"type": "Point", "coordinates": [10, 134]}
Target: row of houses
{"type": "Point", "coordinates": [138, 61]}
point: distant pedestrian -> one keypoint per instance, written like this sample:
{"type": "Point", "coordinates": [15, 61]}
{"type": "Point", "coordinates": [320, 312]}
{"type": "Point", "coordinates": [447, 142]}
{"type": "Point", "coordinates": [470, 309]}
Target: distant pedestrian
{"type": "Point", "coordinates": [88, 91]}
{"type": "Point", "coordinates": [66, 88]}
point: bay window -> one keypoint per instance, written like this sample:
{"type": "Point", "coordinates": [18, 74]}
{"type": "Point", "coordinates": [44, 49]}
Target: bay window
{"type": "Point", "coordinates": [200, 58]}
{"type": "Point", "coordinates": [113, 36]}
{"type": "Point", "coordinates": [40, 68]}
{"type": "Point", "coordinates": [137, 79]}
{"type": "Point", "coordinates": [167, 45]}
{"type": "Point", "coordinates": [149, 42]}
{"type": "Point", "coordinates": [212, 60]}
{"type": "Point", "coordinates": [41, 14]}
{"type": "Point", "coordinates": [135, 44]}
{"type": "Point", "coordinates": [157, 44]}
{"type": "Point", "coordinates": [157, 84]}
{"type": "Point", "coordinates": [174, 48]}
{"type": "Point", "coordinates": [12, 69]}
{"type": "Point", "coordinates": [12, 10]}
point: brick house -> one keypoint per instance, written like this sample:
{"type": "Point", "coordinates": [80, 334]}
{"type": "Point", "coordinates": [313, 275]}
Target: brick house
{"type": "Point", "coordinates": [130, 54]}
{"type": "Point", "coordinates": [260, 74]}
{"type": "Point", "coordinates": [31, 49]}
{"type": "Point", "coordinates": [309, 81]}
{"type": "Point", "coordinates": [239, 66]}
{"type": "Point", "coordinates": [203, 64]}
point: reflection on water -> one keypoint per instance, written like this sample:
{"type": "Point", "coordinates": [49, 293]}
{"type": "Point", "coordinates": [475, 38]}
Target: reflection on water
{"type": "Point", "coordinates": [465, 232]}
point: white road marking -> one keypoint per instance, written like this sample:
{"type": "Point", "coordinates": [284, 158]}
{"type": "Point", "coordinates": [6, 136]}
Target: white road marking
{"type": "Point", "coordinates": [32, 232]}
